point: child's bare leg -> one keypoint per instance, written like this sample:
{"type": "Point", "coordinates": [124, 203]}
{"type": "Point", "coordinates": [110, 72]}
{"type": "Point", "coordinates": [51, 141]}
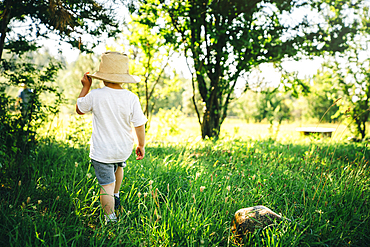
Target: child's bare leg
{"type": "Point", "coordinates": [106, 198]}
{"type": "Point", "coordinates": [119, 177]}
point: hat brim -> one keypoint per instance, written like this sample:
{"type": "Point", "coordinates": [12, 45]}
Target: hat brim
{"type": "Point", "coordinates": [115, 78]}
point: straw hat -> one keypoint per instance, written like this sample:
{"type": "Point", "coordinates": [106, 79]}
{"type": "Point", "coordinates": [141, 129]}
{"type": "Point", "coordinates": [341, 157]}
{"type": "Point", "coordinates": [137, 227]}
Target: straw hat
{"type": "Point", "coordinates": [114, 68]}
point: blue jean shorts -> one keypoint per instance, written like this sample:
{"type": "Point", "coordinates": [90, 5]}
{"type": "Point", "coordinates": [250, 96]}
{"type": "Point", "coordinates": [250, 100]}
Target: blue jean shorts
{"type": "Point", "coordinates": [105, 172]}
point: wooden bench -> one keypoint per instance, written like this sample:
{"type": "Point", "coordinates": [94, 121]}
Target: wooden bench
{"type": "Point", "coordinates": [312, 130]}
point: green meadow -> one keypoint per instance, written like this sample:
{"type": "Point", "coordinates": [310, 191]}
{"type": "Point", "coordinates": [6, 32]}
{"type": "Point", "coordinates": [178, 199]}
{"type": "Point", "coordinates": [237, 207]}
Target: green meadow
{"type": "Point", "coordinates": [186, 190]}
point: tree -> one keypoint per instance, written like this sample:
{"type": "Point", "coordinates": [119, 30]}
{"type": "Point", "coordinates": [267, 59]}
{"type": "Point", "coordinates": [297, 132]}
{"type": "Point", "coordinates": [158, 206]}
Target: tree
{"type": "Point", "coordinates": [321, 101]}
{"type": "Point", "coordinates": [268, 103]}
{"type": "Point", "coordinates": [151, 56]}
{"type": "Point", "coordinates": [245, 106]}
{"type": "Point", "coordinates": [224, 39]}
{"type": "Point", "coordinates": [68, 19]}
{"type": "Point", "coordinates": [18, 129]}
{"type": "Point", "coordinates": [354, 78]}
{"type": "Point", "coordinates": [354, 84]}
{"type": "Point", "coordinates": [352, 68]}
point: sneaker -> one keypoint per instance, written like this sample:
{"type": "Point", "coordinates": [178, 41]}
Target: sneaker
{"type": "Point", "coordinates": [117, 202]}
{"type": "Point", "coordinates": [110, 220]}
{"type": "Point", "coordinates": [111, 223]}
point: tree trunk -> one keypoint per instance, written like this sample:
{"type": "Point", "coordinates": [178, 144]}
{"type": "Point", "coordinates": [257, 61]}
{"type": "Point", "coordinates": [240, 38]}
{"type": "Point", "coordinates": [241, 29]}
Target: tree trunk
{"type": "Point", "coordinates": [211, 124]}
{"type": "Point", "coordinates": [4, 27]}
{"type": "Point", "coordinates": [361, 125]}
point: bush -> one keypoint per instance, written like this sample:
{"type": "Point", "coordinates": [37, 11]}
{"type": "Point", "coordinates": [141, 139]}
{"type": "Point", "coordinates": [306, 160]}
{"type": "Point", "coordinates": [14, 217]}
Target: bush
{"type": "Point", "coordinates": [18, 129]}
{"type": "Point", "coordinates": [169, 121]}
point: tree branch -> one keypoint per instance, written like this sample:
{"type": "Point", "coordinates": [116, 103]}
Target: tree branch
{"type": "Point", "coordinates": [224, 106]}
{"type": "Point", "coordinates": [159, 76]}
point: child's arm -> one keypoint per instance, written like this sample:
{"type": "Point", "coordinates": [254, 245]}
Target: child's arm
{"type": "Point", "coordinates": [140, 149]}
{"type": "Point", "coordinates": [86, 84]}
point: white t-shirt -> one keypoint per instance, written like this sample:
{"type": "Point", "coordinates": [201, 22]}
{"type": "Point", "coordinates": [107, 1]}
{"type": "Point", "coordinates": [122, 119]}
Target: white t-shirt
{"type": "Point", "coordinates": [113, 111]}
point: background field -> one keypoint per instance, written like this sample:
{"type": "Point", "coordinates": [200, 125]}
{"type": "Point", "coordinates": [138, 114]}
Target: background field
{"type": "Point", "coordinates": [187, 128]}
{"type": "Point", "coordinates": [237, 128]}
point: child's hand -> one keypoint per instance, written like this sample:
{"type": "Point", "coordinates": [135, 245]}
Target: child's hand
{"type": "Point", "coordinates": [86, 80]}
{"type": "Point", "coordinates": [140, 152]}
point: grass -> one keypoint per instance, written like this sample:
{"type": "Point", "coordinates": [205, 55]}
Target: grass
{"type": "Point", "coordinates": [186, 193]}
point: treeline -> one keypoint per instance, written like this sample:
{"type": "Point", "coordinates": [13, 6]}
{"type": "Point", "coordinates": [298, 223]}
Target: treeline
{"type": "Point", "coordinates": [259, 104]}
{"type": "Point", "coordinates": [322, 100]}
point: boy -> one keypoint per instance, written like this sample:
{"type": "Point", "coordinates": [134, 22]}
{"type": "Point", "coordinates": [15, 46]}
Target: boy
{"type": "Point", "coordinates": [114, 109]}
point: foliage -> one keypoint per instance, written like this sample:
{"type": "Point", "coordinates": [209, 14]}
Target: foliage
{"type": "Point", "coordinates": [225, 39]}
{"type": "Point", "coordinates": [292, 84]}
{"type": "Point", "coordinates": [317, 101]}
{"type": "Point", "coordinates": [40, 19]}
{"type": "Point", "coordinates": [354, 84]}
{"type": "Point", "coordinates": [322, 101]}
{"type": "Point", "coordinates": [172, 99]}
{"type": "Point", "coordinates": [271, 106]}
{"type": "Point", "coordinates": [19, 126]}
{"type": "Point", "coordinates": [78, 132]}
{"type": "Point", "coordinates": [245, 107]}
{"type": "Point", "coordinates": [151, 57]}
{"type": "Point", "coordinates": [185, 194]}
{"type": "Point", "coordinates": [67, 19]}
{"type": "Point", "coordinates": [353, 69]}
{"type": "Point", "coordinates": [268, 104]}
{"type": "Point", "coordinates": [8, 124]}
{"type": "Point", "coordinates": [169, 122]}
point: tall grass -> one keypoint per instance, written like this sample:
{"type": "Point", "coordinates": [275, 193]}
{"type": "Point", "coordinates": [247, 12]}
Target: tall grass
{"type": "Point", "coordinates": [186, 193]}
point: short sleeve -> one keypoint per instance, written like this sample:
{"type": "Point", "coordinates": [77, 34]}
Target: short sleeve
{"type": "Point", "coordinates": [85, 103]}
{"type": "Point", "coordinates": [137, 116]}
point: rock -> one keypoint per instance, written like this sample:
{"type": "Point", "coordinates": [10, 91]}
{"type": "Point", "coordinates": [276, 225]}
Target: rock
{"type": "Point", "coordinates": [246, 220]}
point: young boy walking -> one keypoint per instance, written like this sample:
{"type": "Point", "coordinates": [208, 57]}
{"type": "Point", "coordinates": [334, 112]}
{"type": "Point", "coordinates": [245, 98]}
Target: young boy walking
{"type": "Point", "coordinates": [114, 110]}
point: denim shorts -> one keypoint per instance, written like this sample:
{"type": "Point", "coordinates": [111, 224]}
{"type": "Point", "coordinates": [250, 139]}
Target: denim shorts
{"type": "Point", "coordinates": [105, 172]}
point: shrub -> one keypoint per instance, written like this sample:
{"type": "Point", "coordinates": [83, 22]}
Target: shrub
{"type": "Point", "coordinates": [18, 130]}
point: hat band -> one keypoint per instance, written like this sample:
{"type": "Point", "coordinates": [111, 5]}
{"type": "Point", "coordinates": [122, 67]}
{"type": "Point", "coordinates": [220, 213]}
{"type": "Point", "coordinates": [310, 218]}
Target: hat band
{"type": "Point", "coordinates": [115, 78]}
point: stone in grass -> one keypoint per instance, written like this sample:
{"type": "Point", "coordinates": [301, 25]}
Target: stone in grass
{"type": "Point", "coordinates": [246, 220]}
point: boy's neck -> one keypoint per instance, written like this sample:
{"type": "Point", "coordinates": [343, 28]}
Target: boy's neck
{"type": "Point", "coordinates": [113, 85]}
